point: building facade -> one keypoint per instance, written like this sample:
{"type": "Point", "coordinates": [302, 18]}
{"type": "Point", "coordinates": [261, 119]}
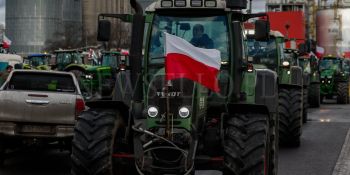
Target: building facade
{"type": "Point", "coordinates": [35, 25]}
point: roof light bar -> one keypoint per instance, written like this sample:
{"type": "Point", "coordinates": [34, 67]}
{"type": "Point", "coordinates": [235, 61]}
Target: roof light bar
{"type": "Point", "coordinates": [210, 3]}
{"type": "Point", "coordinates": [167, 3]}
{"type": "Point", "coordinates": [180, 3]}
{"type": "Point", "coordinates": [196, 3]}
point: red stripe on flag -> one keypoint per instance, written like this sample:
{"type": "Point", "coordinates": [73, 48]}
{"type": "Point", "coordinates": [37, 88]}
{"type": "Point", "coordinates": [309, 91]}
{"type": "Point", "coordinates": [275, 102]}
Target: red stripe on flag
{"type": "Point", "coordinates": [183, 66]}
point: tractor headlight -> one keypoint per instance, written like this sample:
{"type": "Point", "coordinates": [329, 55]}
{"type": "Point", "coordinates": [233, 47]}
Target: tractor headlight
{"type": "Point", "coordinates": [329, 77]}
{"type": "Point", "coordinates": [184, 112]}
{"type": "Point", "coordinates": [152, 112]}
{"type": "Point", "coordinates": [329, 81]}
{"type": "Point", "coordinates": [285, 63]}
{"type": "Point", "coordinates": [90, 76]}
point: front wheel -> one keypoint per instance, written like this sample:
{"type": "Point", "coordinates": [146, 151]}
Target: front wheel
{"type": "Point", "coordinates": [98, 136]}
{"type": "Point", "coordinates": [247, 145]}
{"type": "Point", "coordinates": [290, 116]}
{"type": "Point", "coordinates": [314, 95]}
{"type": "Point", "coordinates": [342, 93]}
{"type": "Point", "coordinates": [305, 105]}
{"type": "Point", "coordinates": [2, 154]}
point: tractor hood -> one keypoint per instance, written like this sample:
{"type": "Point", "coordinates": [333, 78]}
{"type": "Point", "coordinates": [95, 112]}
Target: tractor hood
{"type": "Point", "coordinates": [328, 73]}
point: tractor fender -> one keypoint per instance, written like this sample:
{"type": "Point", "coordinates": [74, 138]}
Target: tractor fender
{"type": "Point", "coordinates": [110, 104]}
{"type": "Point", "coordinates": [234, 108]}
{"type": "Point", "coordinates": [266, 89]}
{"type": "Point", "coordinates": [74, 67]}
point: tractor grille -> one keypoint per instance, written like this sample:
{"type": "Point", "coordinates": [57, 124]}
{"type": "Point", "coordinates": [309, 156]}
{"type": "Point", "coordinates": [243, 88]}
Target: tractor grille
{"type": "Point", "coordinates": [179, 94]}
{"type": "Point", "coordinates": [296, 75]}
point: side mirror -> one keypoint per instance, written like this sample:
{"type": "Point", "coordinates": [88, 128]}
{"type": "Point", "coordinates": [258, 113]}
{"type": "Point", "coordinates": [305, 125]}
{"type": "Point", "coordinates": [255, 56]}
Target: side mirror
{"type": "Point", "coordinates": [262, 30]}
{"type": "Point", "coordinates": [104, 30]}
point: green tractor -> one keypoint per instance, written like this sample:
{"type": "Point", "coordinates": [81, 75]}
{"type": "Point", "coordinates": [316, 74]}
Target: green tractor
{"type": "Point", "coordinates": [37, 61]}
{"type": "Point", "coordinates": [96, 81]}
{"type": "Point", "coordinates": [309, 64]}
{"type": "Point", "coordinates": [270, 54]}
{"type": "Point", "coordinates": [334, 79]}
{"type": "Point", "coordinates": [179, 126]}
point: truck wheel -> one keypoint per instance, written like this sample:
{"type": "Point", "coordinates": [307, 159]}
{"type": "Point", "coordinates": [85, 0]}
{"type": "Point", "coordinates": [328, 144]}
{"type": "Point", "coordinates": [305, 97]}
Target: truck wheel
{"type": "Point", "coordinates": [247, 145]}
{"type": "Point", "coordinates": [97, 136]}
{"type": "Point", "coordinates": [305, 105]}
{"type": "Point", "coordinates": [342, 93]}
{"type": "Point", "coordinates": [314, 95]}
{"type": "Point", "coordinates": [2, 154]}
{"type": "Point", "coordinates": [290, 106]}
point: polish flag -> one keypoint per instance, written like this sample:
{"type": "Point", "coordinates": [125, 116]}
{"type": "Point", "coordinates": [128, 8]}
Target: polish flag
{"type": "Point", "coordinates": [183, 60]}
{"type": "Point", "coordinates": [6, 42]}
{"type": "Point", "coordinates": [319, 51]}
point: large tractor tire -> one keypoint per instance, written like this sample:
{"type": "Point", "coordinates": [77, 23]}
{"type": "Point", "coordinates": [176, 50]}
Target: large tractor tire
{"type": "Point", "coordinates": [342, 93]}
{"type": "Point", "coordinates": [247, 147]}
{"type": "Point", "coordinates": [97, 136]}
{"type": "Point", "coordinates": [305, 105]}
{"type": "Point", "coordinates": [2, 153]}
{"type": "Point", "coordinates": [290, 116]}
{"type": "Point", "coordinates": [314, 96]}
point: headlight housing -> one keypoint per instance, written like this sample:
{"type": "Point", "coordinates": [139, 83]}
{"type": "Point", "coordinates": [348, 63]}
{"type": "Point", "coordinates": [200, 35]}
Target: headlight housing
{"type": "Point", "coordinates": [184, 112]}
{"type": "Point", "coordinates": [285, 63]}
{"type": "Point", "coordinates": [152, 112]}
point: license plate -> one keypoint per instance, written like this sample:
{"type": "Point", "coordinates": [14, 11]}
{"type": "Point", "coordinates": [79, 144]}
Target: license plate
{"type": "Point", "coordinates": [35, 129]}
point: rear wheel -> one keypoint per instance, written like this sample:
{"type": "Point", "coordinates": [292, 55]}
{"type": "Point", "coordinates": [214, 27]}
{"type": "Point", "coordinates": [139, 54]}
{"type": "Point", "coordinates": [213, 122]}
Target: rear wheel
{"type": "Point", "coordinates": [342, 93]}
{"type": "Point", "coordinates": [314, 95]}
{"type": "Point", "coordinates": [305, 105]}
{"type": "Point", "coordinates": [290, 116]}
{"type": "Point", "coordinates": [2, 154]}
{"type": "Point", "coordinates": [247, 145]}
{"type": "Point", "coordinates": [97, 136]}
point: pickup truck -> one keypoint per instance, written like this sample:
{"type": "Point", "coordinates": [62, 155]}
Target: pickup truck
{"type": "Point", "coordinates": [38, 107]}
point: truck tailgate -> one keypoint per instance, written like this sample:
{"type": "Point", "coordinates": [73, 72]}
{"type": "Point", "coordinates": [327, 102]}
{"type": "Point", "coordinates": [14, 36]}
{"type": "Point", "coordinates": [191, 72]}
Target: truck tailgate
{"type": "Point", "coordinates": [38, 107]}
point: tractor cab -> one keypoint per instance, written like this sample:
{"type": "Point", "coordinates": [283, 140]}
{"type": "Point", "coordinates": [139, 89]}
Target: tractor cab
{"type": "Point", "coordinates": [68, 58]}
{"type": "Point", "coordinates": [115, 60]}
{"type": "Point", "coordinates": [37, 61]}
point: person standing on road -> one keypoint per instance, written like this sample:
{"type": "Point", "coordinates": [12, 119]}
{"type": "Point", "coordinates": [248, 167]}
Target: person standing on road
{"type": "Point", "coordinates": [5, 74]}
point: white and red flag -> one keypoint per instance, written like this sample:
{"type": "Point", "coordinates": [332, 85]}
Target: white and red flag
{"type": "Point", "coordinates": [319, 51]}
{"type": "Point", "coordinates": [183, 60]}
{"type": "Point", "coordinates": [6, 43]}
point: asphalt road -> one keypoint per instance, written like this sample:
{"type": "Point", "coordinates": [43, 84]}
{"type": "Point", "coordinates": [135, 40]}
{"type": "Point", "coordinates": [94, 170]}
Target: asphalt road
{"type": "Point", "coordinates": [322, 140]}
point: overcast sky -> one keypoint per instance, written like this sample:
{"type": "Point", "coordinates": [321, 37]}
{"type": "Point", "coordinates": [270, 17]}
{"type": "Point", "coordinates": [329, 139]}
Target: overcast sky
{"type": "Point", "coordinates": [258, 6]}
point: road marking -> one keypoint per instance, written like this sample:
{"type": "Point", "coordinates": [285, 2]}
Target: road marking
{"type": "Point", "coordinates": [342, 167]}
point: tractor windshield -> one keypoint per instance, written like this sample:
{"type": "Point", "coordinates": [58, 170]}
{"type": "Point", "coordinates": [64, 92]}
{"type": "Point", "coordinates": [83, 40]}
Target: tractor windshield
{"type": "Point", "coordinates": [304, 63]}
{"type": "Point", "coordinates": [329, 64]}
{"type": "Point", "coordinates": [39, 60]}
{"type": "Point", "coordinates": [205, 32]}
{"type": "Point", "coordinates": [110, 60]}
{"type": "Point", "coordinates": [66, 58]}
{"type": "Point", "coordinates": [263, 52]}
